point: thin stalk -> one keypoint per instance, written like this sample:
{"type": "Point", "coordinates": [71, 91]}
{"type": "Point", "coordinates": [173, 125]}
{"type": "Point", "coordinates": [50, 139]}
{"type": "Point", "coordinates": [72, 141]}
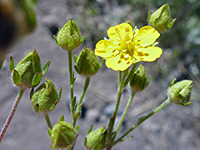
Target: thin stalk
{"type": "Point", "coordinates": [12, 112]}
{"type": "Point", "coordinates": [142, 119]}
{"type": "Point", "coordinates": [112, 119]}
{"type": "Point", "coordinates": [78, 110]}
{"type": "Point", "coordinates": [130, 74]}
{"type": "Point", "coordinates": [47, 119]}
{"type": "Point", "coordinates": [71, 78]}
{"type": "Point", "coordinates": [125, 112]}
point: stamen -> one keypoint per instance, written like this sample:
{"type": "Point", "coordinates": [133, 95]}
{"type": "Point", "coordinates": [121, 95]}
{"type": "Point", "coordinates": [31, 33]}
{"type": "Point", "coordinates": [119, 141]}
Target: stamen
{"type": "Point", "coordinates": [126, 29]}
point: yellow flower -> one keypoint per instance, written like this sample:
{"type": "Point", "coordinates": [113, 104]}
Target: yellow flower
{"type": "Point", "coordinates": [125, 47]}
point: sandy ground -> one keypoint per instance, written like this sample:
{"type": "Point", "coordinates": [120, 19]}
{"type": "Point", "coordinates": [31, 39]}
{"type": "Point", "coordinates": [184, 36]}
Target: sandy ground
{"type": "Point", "coordinates": [173, 128]}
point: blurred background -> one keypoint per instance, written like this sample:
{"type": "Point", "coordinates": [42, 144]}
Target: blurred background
{"type": "Point", "coordinates": [173, 128]}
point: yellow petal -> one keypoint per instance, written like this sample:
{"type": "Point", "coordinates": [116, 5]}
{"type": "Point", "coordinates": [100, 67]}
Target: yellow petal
{"type": "Point", "coordinates": [119, 32]}
{"type": "Point", "coordinates": [105, 48]}
{"type": "Point", "coordinates": [146, 36]}
{"type": "Point", "coordinates": [148, 54]}
{"type": "Point", "coordinates": [119, 62]}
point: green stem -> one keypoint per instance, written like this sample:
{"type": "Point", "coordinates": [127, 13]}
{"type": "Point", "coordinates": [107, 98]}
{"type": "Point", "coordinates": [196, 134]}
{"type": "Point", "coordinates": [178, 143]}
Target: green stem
{"type": "Point", "coordinates": [130, 74]}
{"type": "Point", "coordinates": [112, 119]}
{"type": "Point", "coordinates": [47, 119]}
{"type": "Point", "coordinates": [12, 112]}
{"type": "Point", "coordinates": [125, 112]}
{"type": "Point", "coordinates": [142, 119]}
{"type": "Point", "coordinates": [71, 78]}
{"type": "Point", "coordinates": [78, 110]}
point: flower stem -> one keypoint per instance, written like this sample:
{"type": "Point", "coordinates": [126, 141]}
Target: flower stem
{"type": "Point", "coordinates": [47, 119]}
{"type": "Point", "coordinates": [71, 78]}
{"type": "Point", "coordinates": [142, 119]}
{"type": "Point", "coordinates": [12, 112]}
{"type": "Point", "coordinates": [130, 74]}
{"type": "Point", "coordinates": [125, 112]}
{"type": "Point", "coordinates": [78, 110]}
{"type": "Point", "coordinates": [112, 119]}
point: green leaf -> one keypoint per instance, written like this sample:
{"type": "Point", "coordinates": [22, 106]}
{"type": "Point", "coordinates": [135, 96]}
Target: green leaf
{"type": "Point", "coordinates": [172, 82]}
{"type": "Point", "coordinates": [52, 147]}
{"type": "Point", "coordinates": [148, 17]}
{"type": "Point", "coordinates": [90, 129]}
{"type": "Point", "coordinates": [49, 132]}
{"type": "Point", "coordinates": [36, 62]}
{"type": "Point", "coordinates": [188, 103]}
{"type": "Point", "coordinates": [171, 23]}
{"type": "Point", "coordinates": [45, 68]}
{"type": "Point", "coordinates": [101, 64]}
{"type": "Point", "coordinates": [127, 138]}
{"type": "Point", "coordinates": [83, 38]}
{"type": "Point", "coordinates": [56, 38]}
{"type": "Point", "coordinates": [62, 118]}
{"type": "Point", "coordinates": [77, 128]}
{"type": "Point", "coordinates": [36, 79]}
{"type": "Point", "coordinates": [12, 64]}
{"type": "Point", "coordinates": [75, 58]}
{"type": "Point", "coordinates": [59, 95]}
{"type": "Point", "coordinates": [16, 77]}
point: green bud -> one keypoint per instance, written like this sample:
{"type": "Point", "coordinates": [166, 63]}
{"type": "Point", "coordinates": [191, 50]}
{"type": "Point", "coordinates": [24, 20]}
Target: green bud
{"type": "Point", "coordinates": [180, 92]}
{"type": "Point", "coordinates": [161, 19]}
{"type": "Point", "coordinates": [139, 80]}
{"type": "Point", "coordinates": [95, 140]}
{"type": "Point", "coordinates": [69, 36]}
{"type": "Point", "coordinates": [87, 63]}
{"type": "Point", "coordinates": [45, 98]}
{"type": "Point", "coordinates": [27, 72]}
{"type": "Point", "coordinates": [62, 135]}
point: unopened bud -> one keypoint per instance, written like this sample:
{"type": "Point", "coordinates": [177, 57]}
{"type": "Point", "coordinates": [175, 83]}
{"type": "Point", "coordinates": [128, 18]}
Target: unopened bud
{"type": "Point", "coordinates": [87, 63]}
{"type": "Point", "coordinates": [69, 36]}
{"type": "Point", "coordinates": [161, 19]}
{"type": "Point", "coordinates": [45, 97]}
{"type": "Point", "coordinates": [139, 80]}
{"type": "Point", "coordinates": [95, 139]}
{"type": "Point", "coordinates": [62, 135]}
{"type": "Point", "coordinates": [180, 92]}
{"type": "Point", "coordinates": [27, 72]}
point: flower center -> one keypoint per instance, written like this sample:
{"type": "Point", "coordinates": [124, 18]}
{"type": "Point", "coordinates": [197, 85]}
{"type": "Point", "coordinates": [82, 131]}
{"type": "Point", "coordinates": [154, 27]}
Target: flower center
{"type": "Point", "coordinates": [127, 47]}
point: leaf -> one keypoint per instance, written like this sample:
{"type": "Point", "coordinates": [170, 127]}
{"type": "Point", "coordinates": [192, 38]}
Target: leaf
{"type": "Point", "coordinates": [16, 77]}
{"type": "Point", "coordinates": [171, 23]}
{"type": "Point", "coordinates": [56, 38]}
{"type": "Point", "coordinates": [83, 38]}
{"type": "Point", "coordinates": [75, 58]}
{"type": "Point", "coordinates": [36, 79]}
{"type": "Point", "coordinates": [49, 132]}
{"type": "Point", "coordinates": [12, 64]}
{"type": "Point", "coordinates": [77, 128]}
{"type": "Point", "coordinates": [188, 103]}
{"type": "Point", "coordinates": [172, 82]}
{"type": "Point", "coordinates": [59, 95]}
{"type": "Point", "coordinates": [148, 17]}
{"type": "Point", "coordinates": [90, 129]}
{"type": "Point", "coordinates": [45, 68]}
{"type": "Point", "coordinates": [127, 138]}
{"type": "Point", "coordinates": [52, 147]}
{"type": "Point", "coordinates": [62, 118]}
{"type": "Point", "coordinates": [36, 62]}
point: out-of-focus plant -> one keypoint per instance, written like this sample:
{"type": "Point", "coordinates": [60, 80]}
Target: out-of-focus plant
{"type": "Point", "coordinates": [17, 19]}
